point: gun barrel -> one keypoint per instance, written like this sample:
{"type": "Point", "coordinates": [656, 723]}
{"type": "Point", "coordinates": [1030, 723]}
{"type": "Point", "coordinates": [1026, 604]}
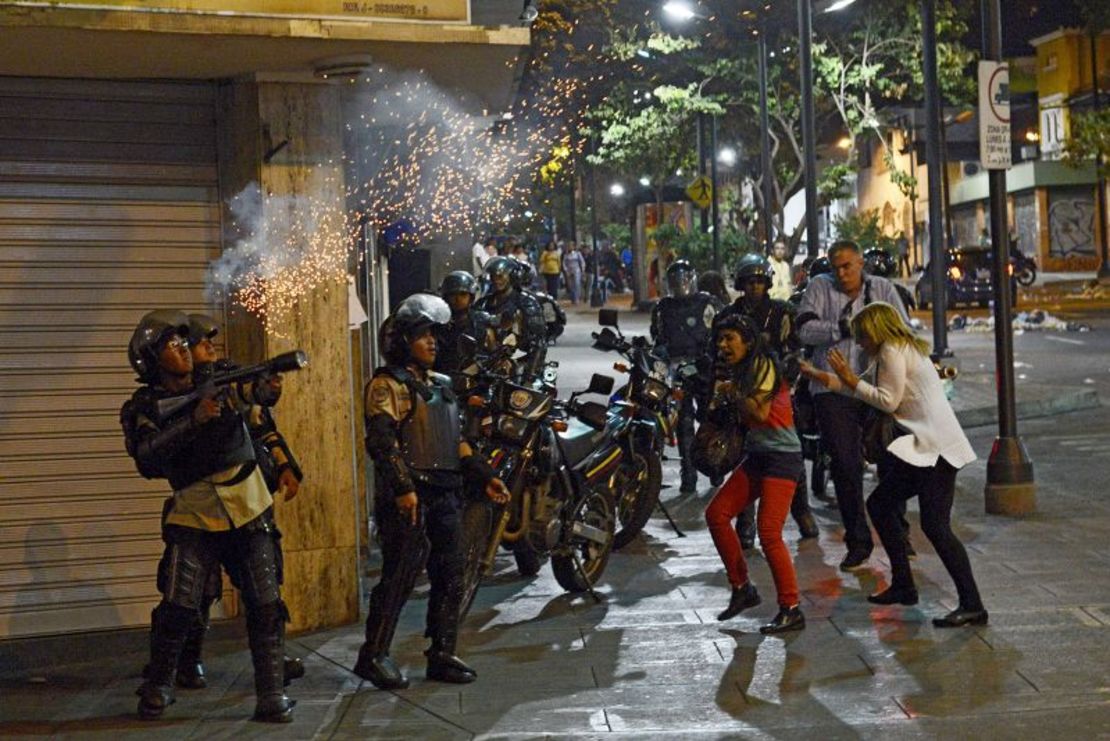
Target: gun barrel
{"type": "Point", "coordinates": [291, 361]}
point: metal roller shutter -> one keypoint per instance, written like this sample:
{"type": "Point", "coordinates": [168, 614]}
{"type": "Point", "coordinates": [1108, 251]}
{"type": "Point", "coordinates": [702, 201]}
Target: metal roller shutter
{"type": "Point", "coordinates": [108, 208]}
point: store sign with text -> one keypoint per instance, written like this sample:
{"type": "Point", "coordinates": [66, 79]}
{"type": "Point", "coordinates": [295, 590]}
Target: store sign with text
{"type": "Point", "coordinates": [410, 10]}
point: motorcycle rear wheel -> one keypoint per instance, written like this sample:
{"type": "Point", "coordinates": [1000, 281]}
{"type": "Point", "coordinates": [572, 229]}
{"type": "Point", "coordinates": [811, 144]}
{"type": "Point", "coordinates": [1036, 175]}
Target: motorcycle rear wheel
{"type": "Point", "coordinates": [595, 510]}
{"type": "Point", "coordinates": [477, 520]}
{"type": "Point", "coordinates": [641, 481]}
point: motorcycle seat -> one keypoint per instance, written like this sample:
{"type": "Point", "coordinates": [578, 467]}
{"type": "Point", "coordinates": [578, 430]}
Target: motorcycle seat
{"type": "Point", "coordinates": [579, 441]}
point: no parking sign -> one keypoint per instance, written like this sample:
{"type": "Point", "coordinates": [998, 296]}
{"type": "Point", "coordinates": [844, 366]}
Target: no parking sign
{"type": "Point", "coordinates": [994, 115]}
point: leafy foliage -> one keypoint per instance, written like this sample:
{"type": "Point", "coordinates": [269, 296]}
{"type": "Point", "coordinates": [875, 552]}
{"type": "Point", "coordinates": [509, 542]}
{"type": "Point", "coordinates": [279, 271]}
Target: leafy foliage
{"type": "Point", "coordinates": [1089, 139]}
{"type": "Point", "coordinates": [863, 228]}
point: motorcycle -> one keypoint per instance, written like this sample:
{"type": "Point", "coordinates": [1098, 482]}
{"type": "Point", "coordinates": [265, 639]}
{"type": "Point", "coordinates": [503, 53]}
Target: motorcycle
{"type": "Point", "coordinates": [1023, 268]}
{"type": "Point", "coordinates": [558, 460]}
{"type": "Point", "coordinates": [647, 400]}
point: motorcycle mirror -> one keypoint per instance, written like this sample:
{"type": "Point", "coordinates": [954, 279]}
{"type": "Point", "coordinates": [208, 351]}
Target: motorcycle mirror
{"type": "Point", "coordinates": [608, 318]}
{"type": "Point", "coordinates": [600, 384]}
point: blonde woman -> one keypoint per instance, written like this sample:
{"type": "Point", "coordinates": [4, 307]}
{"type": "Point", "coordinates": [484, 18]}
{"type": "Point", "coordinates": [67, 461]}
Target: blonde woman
{"type": "Point", "coordinates": [922, 461]}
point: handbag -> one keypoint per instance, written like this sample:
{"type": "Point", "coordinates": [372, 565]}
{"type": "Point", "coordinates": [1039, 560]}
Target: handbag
{"type": "Point", "coordinates": [717, 448]}
{"type": "Point", "coordinates": [879, 430]}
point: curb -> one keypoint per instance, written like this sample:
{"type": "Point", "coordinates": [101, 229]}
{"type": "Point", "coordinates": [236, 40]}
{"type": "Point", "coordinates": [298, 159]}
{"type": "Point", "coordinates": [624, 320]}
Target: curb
{"type": "Point", "coordinates": [1072, 400]}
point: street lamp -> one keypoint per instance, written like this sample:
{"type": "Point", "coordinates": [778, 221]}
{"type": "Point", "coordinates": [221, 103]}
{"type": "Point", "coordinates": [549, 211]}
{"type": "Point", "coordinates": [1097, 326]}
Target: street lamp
{"type": "Point", "coordinates": [727, 156]}
{"type": "Point", "coordinates": [616, 190]}
{"type": "Point", "coordinates": [679, 10]}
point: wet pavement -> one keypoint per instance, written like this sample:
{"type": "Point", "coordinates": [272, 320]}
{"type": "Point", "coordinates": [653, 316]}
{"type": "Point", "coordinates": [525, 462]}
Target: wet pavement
{"type": "Point", "coordinates": [651, 661]}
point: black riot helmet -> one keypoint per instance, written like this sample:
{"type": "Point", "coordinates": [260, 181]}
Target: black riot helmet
{"type": "Point", "coordinates": [752, 265]}
{"type": "Point", "coordinates": [498, 267]}
{"type": "Point", "coordinates": [879, 262]}
{"type": "Point", "coordinates": [523, 273]}
{"type": "Point", "coordinates": [820, 266]}
{"type": "Point", "coordinates": [458, 281]}
{"type": "Point", "coordinates": [413, 316]}
{"type": "Point", "coordinates": [154, 328]}
{"type": "Point", "coordinates": [202, 327]}
{"type": "Point", "coordinates": [682, 279]}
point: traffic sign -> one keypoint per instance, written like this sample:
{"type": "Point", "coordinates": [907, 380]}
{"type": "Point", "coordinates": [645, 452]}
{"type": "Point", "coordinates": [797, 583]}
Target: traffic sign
{"type": "Point", "coordinates": [700, 191]}
{"type": "Point", "coordinates": [994, 115]}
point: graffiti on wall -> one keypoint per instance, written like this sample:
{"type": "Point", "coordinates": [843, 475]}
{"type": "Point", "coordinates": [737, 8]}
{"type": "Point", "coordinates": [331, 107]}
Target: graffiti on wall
{"type": "Point", "coordinates": [1071, 227]}
{"type": "Point", "coordinates": [1025, 224]}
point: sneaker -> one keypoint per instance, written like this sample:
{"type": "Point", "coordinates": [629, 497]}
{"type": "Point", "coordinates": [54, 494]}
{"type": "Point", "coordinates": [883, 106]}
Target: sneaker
{"type": "Point", "coordinates": [854, 560]}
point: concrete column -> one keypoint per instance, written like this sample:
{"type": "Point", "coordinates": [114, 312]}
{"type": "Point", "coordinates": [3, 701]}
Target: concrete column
{"type": "Point", "coordinates": [315, 412]}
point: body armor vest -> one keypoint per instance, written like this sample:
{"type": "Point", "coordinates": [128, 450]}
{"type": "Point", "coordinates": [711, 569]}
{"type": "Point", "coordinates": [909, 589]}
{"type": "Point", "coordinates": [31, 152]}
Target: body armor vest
{"type": "Point", "coordinates": [429, 435]}
{"type": "Point", "coordinates": [685, 333]}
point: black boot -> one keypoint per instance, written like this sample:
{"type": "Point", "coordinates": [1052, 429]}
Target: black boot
{"type": "Point", "coordinates": [266, 636]}
{"type": "Point", "coordinates": [788, 618]}
{"type": "Point", "coordinates": [742, 598]}
{"type": "Point", "coordinates": [190, 667]}
{"type": "Point", "coordinates": [374, 663]}
{"type": "Point", "coordinates": [443, 665]}
{"type": "Point", "coordinates": [169, 625]}
{"type": "Point", "coordinates": [803, 516]}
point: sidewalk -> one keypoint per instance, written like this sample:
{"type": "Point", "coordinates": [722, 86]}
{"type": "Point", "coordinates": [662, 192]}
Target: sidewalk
{"type": "Point", "coordinates": [650, 660]}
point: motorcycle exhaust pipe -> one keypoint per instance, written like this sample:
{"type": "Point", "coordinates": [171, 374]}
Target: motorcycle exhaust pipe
{"type": "Point", "coordinates": [500, 534]}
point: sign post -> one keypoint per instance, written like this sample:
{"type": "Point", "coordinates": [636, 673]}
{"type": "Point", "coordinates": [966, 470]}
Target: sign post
{"type": "Point", "coordinates": [1010, 489]}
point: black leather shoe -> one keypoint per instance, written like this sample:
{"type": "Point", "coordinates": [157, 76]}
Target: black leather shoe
{"type": "Point", "coordinates": [445, 667]}
{"type": "Point", "coordinates": [854, 560]}
{"type": "Point", "coordinates": [274, 709]}
{"type": "Point", "coordinates": [380, 671]}
{"type": "Point", "coordinates": [961, 617]}
{"type": "Point", "coordinates": [894, 596]}
{"type": "Point", "coordinates": [742, 598]}
{"type": "Point", "coordinates": [788, 619]}
{"type": "Point", "coordinates": [294, 669]}
{"type": "Point", "coordinates": [807, 526]}
{"type": "Point", "coordinates": [153, 700]}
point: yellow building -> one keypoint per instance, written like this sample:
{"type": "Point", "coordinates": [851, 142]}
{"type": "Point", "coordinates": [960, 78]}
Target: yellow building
{"type": "Point", "coordinates": [125, 129]}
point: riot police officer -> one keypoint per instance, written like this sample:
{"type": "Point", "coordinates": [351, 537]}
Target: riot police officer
{"type": "Point", "coordinates": [554, 318]}
{"type": "Point", "coordinates": [680, 326]}
{"type": "Point", "coordinates": [221, 512]}
{"type": "Point", "coordinates": [879, 262]}
{"type": "Point", "coordinates": [505, 299]}
{"type": "Point", "coordinates": [453, 351]}
{"type": "Point", "coordinates": [421, 459]}
{"type": "Point", "coordinates": [775, 321]}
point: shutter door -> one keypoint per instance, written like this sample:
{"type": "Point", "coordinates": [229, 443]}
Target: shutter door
{"type": "Point", "coordinates": [108, 208]}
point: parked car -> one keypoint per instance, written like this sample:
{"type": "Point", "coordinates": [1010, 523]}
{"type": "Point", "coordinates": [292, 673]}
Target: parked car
{"type": "Point", "coordinates": [968, 279]}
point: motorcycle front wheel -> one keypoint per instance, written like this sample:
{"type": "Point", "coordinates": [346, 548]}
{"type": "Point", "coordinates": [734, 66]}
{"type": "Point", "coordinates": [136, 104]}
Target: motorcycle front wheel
{"type": "Point", "coordinates": [477, 521]}
{"type": "Point", "coordinates": [594, 520]}
{"type": "Point", "coordinates": [637, 494]}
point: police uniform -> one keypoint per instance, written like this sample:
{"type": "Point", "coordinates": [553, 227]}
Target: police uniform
{"type": "Point", "coordinates": [221, 515]}
{"type": "Point", "coordinates": [414, 438]}
{"type": "Point", "coordinates": [525, 310]}
{"type": "Point", "coordinates": [681, 327]}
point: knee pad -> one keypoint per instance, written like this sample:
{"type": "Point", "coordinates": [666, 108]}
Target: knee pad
{"type": "Point", "coordinates": [183, 577]}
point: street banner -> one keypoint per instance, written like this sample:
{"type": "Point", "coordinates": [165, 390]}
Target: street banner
{"type": "Point", "coordinates": [409, 10]}
{"type": "Point", "coordinates": [994, 115]}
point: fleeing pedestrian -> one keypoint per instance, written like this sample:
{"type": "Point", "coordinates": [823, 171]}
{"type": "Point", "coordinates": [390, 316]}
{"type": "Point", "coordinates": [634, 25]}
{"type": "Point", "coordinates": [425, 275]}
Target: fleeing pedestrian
{"type": "Point", "coordinates": [922, 460]}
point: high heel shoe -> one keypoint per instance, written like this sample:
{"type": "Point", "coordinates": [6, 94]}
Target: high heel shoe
{"type": "Point", "coordinates": [961, 617]}
{"type": "Point", "coordinates": [894, 596]}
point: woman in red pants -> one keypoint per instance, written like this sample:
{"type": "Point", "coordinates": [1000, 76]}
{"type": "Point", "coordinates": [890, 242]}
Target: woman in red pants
{"type": "Point", "coordinates": [752, 392]}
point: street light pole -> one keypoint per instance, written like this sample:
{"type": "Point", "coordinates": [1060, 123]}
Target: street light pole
{"type": "Point", "coordinates": [1010, 489]}
{"type": "Point", "coordinates": [595, 293]}
{"type": "Point", "coordinates": [809, 134]}
{"type": "Point", "coordinates": [703, 215]}
{"type": "Point", "coordinates": [765, 141]}
{"type": "Point", "coordinates": [937, 252]}
{"type": "Point", "coordinates": [713, 194]}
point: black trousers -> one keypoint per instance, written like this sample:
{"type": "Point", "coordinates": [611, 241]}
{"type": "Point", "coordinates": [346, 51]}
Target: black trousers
{"type": "Point", "coordinates": [935, 489]}
{"type": "Point", "coordinates": [840, 418]}
{"type": "Point", "coordinates": [685, 434]}
{"type": "Point", "coordinates": [435, 542]}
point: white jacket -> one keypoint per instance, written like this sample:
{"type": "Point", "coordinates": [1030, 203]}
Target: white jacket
{"type": "Point", "coordinates": [909, 388]}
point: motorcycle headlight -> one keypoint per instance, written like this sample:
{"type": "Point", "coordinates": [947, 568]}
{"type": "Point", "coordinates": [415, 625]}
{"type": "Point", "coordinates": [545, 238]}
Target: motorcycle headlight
{"type": "Point", "coordinates": [511, 428]}
{"type": "Point", "coordinates": [655, 390]}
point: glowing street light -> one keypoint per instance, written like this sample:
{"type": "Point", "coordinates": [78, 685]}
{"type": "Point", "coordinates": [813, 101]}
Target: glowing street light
{"type": "Point", "coordinates": [839, 5]}
{"type": "Point", "coordinates": [727, 156]}
{"type": "Point", "coordinates": [645, 181]}
{"type": "Point", "coordinates": [616, 190]}
{"type": "Point", "coordinates": [679, 10]}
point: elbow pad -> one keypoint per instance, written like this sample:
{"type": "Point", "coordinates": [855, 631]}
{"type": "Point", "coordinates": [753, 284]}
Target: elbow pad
{"type": "Point", "coordinates": [477, 470]}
